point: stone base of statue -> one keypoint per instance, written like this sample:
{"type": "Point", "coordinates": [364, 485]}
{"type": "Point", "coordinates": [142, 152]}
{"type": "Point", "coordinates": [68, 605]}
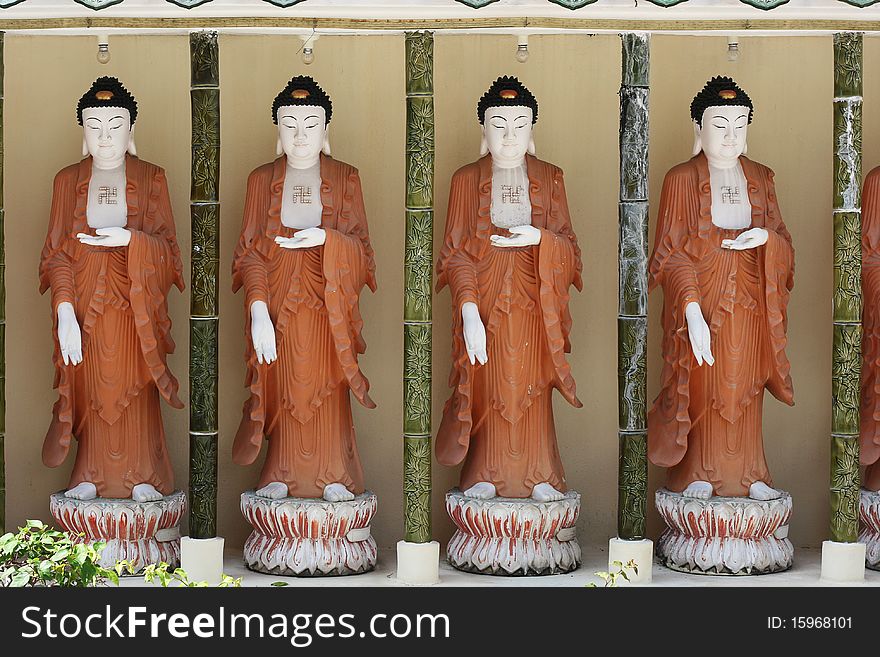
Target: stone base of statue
{"type": "Point", "coordinates": [299, 537]}
{"type": "Point", "coordinates": [508, 536]}
{"type": "Point", "coordinates": [869, 521]}
{"type": "Point", "coordinates": [141, 533]}
{"type": "Point", "coordinates": [724, 535]}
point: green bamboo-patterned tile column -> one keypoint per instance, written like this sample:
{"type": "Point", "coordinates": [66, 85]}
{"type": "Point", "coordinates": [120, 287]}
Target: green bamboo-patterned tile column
{"type": "Point", "coordinates": [2, 318]}
{"type": "Point", "coordinates": [847, 300]}
{"type": "Point", "coordinates": [418, 265]}
{"type": "Point", "coordinates": [632, 319]}
{"type": "Point", "coordinates": [204, 320]}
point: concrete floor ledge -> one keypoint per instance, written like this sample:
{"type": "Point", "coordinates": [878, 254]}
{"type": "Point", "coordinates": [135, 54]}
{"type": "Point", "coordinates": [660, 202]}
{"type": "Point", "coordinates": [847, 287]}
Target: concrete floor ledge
{"type": "Point", "coordinates": [805, 572]}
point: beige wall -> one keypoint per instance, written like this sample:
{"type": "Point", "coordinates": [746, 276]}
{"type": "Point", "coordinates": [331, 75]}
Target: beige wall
{"type": "Point", "coordinates": [365, 79]}
{"type": "Point", "coordinates": [44, 79]}
{"type": "Point", "coordinates": [790, 83]}
{"type": "Point", "coordinates": [576, 79]}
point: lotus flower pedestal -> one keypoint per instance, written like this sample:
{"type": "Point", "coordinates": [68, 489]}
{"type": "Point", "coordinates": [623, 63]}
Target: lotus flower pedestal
{"type": "Point", "coordinates": [141, 533]}
{"type": "Point", "coordinates": [724, 535]}
{"type": "Point", "coordinates": [309, 537]}
{"type": "Point", "coordinates": [507, 536]}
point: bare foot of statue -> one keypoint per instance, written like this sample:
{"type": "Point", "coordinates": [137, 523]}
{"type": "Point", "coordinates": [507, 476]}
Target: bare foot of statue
{"type": "Point", "coordinates": [699, 490]}
{"type": "Point", "coordinates": [274, 490]}
{"type": "Point", "coordinates": [482, 490]}
{"type": "Point", "coordinates": [761, 491]}
{"type": "Point", "coordinates": [145, 493]}
{"type": "Point", "coordinates": [337, 493]}
{"type": "Point", "coordinates": [544, 492]}
{"type": "Point", "coordinates": [83, 491]}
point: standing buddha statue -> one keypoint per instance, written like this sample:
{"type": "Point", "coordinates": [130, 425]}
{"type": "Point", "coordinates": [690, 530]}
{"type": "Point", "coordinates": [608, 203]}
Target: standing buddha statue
{"type": "Point", "coordinates": [110, 259]}
{"type": "Point", "coordinates": [509, 258]}
{"type": "Point", "coordinates": [724, 259]}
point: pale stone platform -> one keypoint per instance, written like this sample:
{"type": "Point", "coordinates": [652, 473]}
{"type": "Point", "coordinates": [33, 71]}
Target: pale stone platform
{"type": "Point", "coordinates": [804, 572]}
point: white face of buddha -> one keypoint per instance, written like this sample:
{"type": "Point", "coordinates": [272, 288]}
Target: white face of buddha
{"type": "Point", "coordinates": [107, 132]}
{"type": "Point", "coordinates": [302, 133]}
{"type": "Point", "coordinates": [723, 133]}
{"type": "Point", "coordinates": [508, 134]}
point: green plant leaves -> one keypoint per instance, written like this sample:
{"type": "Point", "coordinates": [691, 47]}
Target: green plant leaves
{"type": "Point", "coordinates": [20, 579]}
{"type": "Point", "coordinates": [159, 573]}
{"type": "Point", "coordinates": [620, 572]}
{"type": "Point", "coordinates": [41, 556]}
{"type": "Point", "coordinates": [60, 555]}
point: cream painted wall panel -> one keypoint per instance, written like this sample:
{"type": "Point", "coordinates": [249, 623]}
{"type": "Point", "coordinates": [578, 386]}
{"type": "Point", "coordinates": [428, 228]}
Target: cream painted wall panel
{"type": "Point", "coordinates": [790, 83]}
{"type": "Point", "coordinates": [364, 77]}
{"type": "Point", "coordinates": [45, 77]}
{"type": "Point", "coordinates": [575, 79]}
{"type": "Point", "coordinates": [871, 106]}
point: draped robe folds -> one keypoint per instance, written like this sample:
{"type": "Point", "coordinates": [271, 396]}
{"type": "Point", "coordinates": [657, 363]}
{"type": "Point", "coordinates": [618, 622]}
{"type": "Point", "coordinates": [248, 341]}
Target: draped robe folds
{"type": "Point", "coordinates": [870, 402]}
{"type": "Point", "coordinates": [706, 422]}
{"type": "Point", "coordinates": [301, 401]}
{"type": "Point", "coordinates": [499, 418]}
{"type": "Point", "coordinates": [110, 401]}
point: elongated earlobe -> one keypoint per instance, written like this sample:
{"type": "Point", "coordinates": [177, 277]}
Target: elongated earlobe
{"type": "Point", "coordinates": [85, 147]}
{"type": "Point", "coordinates": [532, 146]}
{"type": "Point", "coordinates": [279, 149]}
{"type": "Point", "coordinates": [746, 147]}
{"type": "Point", "coordinates": [325, 149]}
{"type": "Point", "coordinates": [698, 141]}
{"type": "Point", "coordinates": [484, 145]}
{"type": "Point", "coordinates": [132, 148]}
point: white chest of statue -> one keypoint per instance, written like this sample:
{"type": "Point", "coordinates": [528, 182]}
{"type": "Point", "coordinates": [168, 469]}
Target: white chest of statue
{"type": "Point", "coordinates": [731, 208]}
{"type": "Point", "coordinates": [301, 205]}
{"type": "Point", "coordinates": [511, 205]}
{"type": "Point", "coordinates": [107, 205]}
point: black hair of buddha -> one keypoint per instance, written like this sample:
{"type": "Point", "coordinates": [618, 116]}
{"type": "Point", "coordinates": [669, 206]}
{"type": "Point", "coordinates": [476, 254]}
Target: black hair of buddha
{"type": "Point", "coordinates": [107, 92]}
{"type": "Point", "coordinates": [507, 91]}
{"type": "Point", "coordinates": [302, 90]}
{"type": "Point", "coordinates": [720, 91]}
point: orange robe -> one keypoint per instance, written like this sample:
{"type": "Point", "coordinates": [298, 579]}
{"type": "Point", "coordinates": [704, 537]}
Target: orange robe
{"type": "Point", "coordinates": [870, 412]}
{"type": "Point", "coordinates": [706, 422]}
{"type": "Point", "coordinates": [499, 419]}
{"type": "Point", "coordinates": [110, 401]}
{"type": "Point", "coordinates": [301, 401]}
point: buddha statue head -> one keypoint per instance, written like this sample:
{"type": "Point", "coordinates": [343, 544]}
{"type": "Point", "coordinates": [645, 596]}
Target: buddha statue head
{"type": "Point", "coordinates": [302, 112]}
{"type": "Point", "coordinates": [507, 113]}
{"type": "Point", "coordinates": [721, 112]}
{"type": "Point", "coordinates": [107, 112]}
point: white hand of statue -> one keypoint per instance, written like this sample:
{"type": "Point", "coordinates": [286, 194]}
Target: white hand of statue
{"type": "Point", "coordinates": [263, 333]}
{"type": "Point", "coordinates": [699, 334]}
{"type": "Point", "coordinates": [474, 333]}
{"type": "Point", "coordinates": [303, 239]}
{"type": "Point", "coordinates": [748, 239]}
{"type": "Point", "coordinates": [69, 335]}
{"type": "Point", "coordinates": [112, 236]}
{"type": "Point", "coordinates": [522, 236]}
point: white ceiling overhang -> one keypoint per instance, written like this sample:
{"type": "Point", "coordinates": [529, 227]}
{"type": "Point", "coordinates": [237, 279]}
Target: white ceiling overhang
{"type": "Point", "coordinates": [365, 16]}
